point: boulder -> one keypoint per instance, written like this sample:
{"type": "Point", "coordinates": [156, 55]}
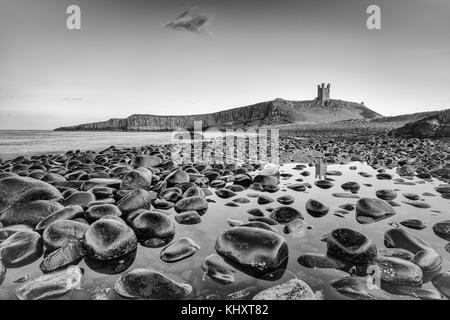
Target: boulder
{"type": "Point", "coordinates": [21, 248]}
{"type": "Point", "coordinates": [369, 210]}
{"type": "Point", "coordinates": [149, 284]}
{"type": "Point", "coordinates": [153, 224]}
{"type": "Point", "coordinates": [108, 239]}
{"type": "Point", "coordinates": [254, 248]}
{"type": "Point", "coordinates": [61, 232]}
{"type": "Point", "coordinates": [294, 289]}
{"type": "Point", "coordinates": [50, 285]}
{"type": "Point", "coordinates": [67, 213]}
{"type": "Point", "coordinates": [136, 199]}
{"type": "Point", "coordinates": [399, 272]}
{"type": "Point", "coordinates": [195, 203]}
{"type": "Point", "coordinates": [179, 250]}
{"type": "Point", "coordinates": [70, 253]}
{"type": "Point", "coordinates": [218, 270]}
{"type": "Point", "coordinates": [350, 245]}
{"type": "Point", "coordinates": [137, 180]}
{"type": "Point", "coordinates": [285, 214]}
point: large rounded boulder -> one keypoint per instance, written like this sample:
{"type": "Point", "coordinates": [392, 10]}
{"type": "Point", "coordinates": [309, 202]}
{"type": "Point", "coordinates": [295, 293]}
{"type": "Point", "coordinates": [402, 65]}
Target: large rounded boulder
{"type": "Point", "coordinates": [137, 180]}
{"type": "Point", "coordinates": [294, 289]}
{"type": "Point", "coordinates": [149, 284]}
{"type": "Point", "coordinates": [21, 248]}
{"type": "Point", "coordinates": [61, 232]}
{"type": "Point", "coordinates": [26, 200]}
{"type": "Point", "coordinates": [285, 214]}
{"type": "Point", "coordinates": [254, 248]}
{"type": "Point", "coordinates": [135, 200]}
{"type": "Point", "coordinates": [153, 224]}
{"type": "Point", "coordinates": [108, 239]}
{"type": "Point", "coordinates": [399, 272]}
{"type": "Point", "coordinates": [67, 213]}
{"type": "Point", "coordinates": [195, 203]}
{"type": "Point", "coordinates": [370, 210]}
{"type": "Point", "coordinates": [176, 177]}
{"type": "Point", "coordinates": [350, 245]}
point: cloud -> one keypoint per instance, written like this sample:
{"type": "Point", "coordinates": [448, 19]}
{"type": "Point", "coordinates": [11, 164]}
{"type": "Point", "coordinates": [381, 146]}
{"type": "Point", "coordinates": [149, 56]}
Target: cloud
{"type": "Point", "coordinates": [190, 20]}
{"type": "Point", "coordinates": [71, 99]}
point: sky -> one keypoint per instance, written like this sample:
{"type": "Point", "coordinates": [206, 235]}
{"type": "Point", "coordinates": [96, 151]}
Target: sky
{"type": "Point", "coordinates": [124, 61]}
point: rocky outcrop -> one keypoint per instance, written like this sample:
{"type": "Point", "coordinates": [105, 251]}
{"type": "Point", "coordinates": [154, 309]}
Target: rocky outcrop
{"type": "Point", "coordinates": [110, 125]}
{"type": "Point", "coordinates": [268, 113]}
{"type": "Point", "coordinates": [435, 126]}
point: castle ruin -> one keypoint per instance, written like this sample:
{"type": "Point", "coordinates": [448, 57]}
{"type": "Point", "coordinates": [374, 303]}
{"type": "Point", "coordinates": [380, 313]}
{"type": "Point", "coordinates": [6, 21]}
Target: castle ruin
{"type": "Point", "coordinates": [323, 94]}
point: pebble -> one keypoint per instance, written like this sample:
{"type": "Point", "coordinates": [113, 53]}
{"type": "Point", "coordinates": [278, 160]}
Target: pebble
{"type": "Point", "coordinates": [310, 260]}
{"type": "Point", "coordinates": [286, 214]}
{"type": "Point", "coordinates": [50, 285]}
{"type": "Point", "coordinates": [225, 193]}
{"type": "Point", "coordinates": [399, 272]}
{"type": "Point", "coordinates": [297, 187]}
{"type": "Point", "coordinates": [70, 253]}
{"type": "Point", "coordinates": [255, 212]}
{"type": "Point", "coordinates": [267, 220]}
{"type": "Point", "coordinates": [420, 205]}
{"type": "Point", "coordinates": [396, 253]}
{"type": "Point", "coordinates": [356, 288]}
{"type": "Point", "coordinates": [218, 270]}
{"type": "Point", "coordinates": [345, 195]}
{"type": "Point", "coordinates": [324, 184]}
{"type": "Point", "coordinates": [414, 224]}
{"type": "Point", "coordinates": [149, 284]}
{"type": "Point", "coordinates": [411, 196]}
{"type": "Point", "coordinates": [316, 208]}
{"type": "Point", "coordinates": [241, 200]}
{"type": "Point", "coordinates": [179, 250]}
{"type": "Point", "coordinates": [442, 229]}
{"type": "Point", "coordinates": [286, 200]}
{"type": "Point", "coordinates": [351, 186]}
{"type": "Point", "coordinates": [296, 226]}
{"type": "Point", "coordinates": [386, 194]}
{"type": "Point", "coordinates": [195, 203]}
{"type": "Point", "coordinates": [264, 199]}
{"type": "Point", "coordinates": [442, 283]}
{"type": "Point", "coordinates": [67, 213]}
{"type": "Point", "coordinates": [294, 289]}
{"type": "Point", "coordinates": [188, 217]}
{"type": "Point", "coordinates": [96, 212]}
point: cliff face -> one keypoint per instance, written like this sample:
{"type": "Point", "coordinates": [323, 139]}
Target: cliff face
{"type": "Point", "coordinates": [110, 125]}
{"type": "Point", "coordinates": [274, 112]}
{"type": "Point", "coordinates": [434, 126]}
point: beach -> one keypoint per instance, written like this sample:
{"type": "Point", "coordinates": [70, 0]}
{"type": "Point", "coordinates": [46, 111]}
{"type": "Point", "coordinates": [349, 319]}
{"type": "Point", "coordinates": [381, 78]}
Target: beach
{"type": "Point", "coordinates": [198, 229]}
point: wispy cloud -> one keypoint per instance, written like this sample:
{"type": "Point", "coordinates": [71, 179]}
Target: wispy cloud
{"type": "Point", "coordinates": [72, 99]}
{"type": "Point", "coordinates": [190, 20]}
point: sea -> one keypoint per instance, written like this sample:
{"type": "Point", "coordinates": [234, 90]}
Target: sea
{"type": "Point", "coordinates": [14, 143]}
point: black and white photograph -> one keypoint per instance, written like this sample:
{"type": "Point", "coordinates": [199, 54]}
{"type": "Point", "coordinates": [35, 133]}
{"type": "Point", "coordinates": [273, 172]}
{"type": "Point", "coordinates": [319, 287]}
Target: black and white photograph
{"type": "Point", "coordinates": [221, 155]}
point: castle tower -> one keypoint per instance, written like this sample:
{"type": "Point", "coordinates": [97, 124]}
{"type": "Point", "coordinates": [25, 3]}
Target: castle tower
{"type": "Point", "coordinates": [323, 94]}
